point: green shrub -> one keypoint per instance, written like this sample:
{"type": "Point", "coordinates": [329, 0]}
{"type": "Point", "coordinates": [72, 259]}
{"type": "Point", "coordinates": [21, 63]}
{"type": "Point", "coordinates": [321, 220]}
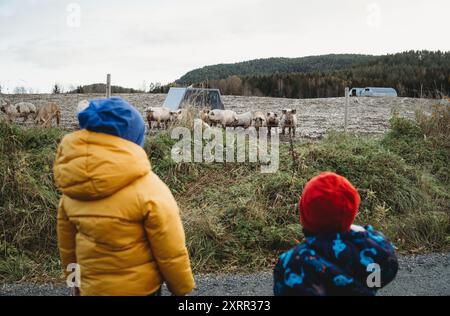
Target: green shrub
{"type": "Point", "coordinates": [28, 200]}
{"type": "Point", "coordinates": [423, 231]}
{"type": "Point", "coordinates": [424, 142]}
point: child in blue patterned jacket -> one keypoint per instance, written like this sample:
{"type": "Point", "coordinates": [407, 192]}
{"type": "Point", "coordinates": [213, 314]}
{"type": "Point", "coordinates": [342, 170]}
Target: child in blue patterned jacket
{"type": "Point", "coordinates": [337, 257]}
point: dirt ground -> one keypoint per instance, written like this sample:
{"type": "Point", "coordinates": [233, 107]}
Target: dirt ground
{"type": "Point", "coordinates": [315, 116]}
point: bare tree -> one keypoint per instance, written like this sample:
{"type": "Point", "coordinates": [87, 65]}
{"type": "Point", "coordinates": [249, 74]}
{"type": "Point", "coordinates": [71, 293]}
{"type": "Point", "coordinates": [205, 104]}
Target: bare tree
{"type": "Point", "coordinates": [20, 90]}
{"type": "Point", "coordinates": [72, 88]}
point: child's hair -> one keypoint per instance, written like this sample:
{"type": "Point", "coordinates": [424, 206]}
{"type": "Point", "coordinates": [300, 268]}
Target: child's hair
{"type": "Point", "coordinates": [329, 204]}
{"type": "Point", "coordinates": [82, 105]}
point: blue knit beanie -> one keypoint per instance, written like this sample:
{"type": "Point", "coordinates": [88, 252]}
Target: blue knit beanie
{"type": "Point", "coordinates": [113, 116]}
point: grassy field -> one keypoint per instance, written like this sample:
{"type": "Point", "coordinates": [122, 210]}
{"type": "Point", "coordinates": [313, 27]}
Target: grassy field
{"type": "Point", "coordinates": [237, 219]}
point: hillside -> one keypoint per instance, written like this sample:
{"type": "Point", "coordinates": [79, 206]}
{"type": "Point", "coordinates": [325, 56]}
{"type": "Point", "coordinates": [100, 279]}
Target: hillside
{"type": "Point", "coordinates": [412, 74]}
{"type": "Point", "coordinates": [270, 66]}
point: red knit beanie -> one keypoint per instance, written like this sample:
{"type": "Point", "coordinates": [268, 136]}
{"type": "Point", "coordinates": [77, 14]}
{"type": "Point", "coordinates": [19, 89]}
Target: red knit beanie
{"type": "Point", "coordinates": [329, 204]}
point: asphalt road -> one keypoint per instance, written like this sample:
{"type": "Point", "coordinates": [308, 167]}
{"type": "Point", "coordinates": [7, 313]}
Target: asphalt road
{"type": "Point", "coordinates": [418, 275]}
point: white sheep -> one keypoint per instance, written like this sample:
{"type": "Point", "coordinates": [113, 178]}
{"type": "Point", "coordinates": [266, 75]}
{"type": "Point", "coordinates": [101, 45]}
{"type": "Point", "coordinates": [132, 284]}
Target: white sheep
{"type": "Point", "coordinates": [159, 115]}
{"type": "Point", "coordinates": [223, 117]}
{"type": "Point", "coordinates": [272, 121]}
{"type": "Point", "coordinates": [259, 120]}
{"type": "Point", "coordinates": [289, 120]}
{"type": "Point", "coordinates": [22, 109]}
{"type": "Point", "coordinates": [244, 120]}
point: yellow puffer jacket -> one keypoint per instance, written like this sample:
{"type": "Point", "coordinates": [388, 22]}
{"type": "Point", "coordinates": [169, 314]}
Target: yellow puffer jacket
{"type": "Point", "coordinates": [117, 219]}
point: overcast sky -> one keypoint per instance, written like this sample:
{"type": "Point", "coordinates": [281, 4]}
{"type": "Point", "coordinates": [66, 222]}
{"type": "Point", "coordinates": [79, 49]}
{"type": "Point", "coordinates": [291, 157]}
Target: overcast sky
{"type": "Point", "coordinates": [78, 42]}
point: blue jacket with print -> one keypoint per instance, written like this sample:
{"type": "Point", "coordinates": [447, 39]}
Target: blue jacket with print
{"type": "Point", "coordinates": [358, 262]}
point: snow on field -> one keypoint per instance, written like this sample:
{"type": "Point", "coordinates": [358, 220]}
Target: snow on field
{"type": "Point", "coordinates": [315, 116]}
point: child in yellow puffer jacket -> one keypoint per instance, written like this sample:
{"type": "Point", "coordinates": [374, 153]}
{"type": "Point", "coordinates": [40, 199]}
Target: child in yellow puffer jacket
{"type": "Point", "coordinates": [116, 219]}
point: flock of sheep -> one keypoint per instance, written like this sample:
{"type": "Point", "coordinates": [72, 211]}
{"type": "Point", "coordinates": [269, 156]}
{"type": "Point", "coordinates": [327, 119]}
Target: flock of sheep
{"type": "Point", "coordinates": [227, 118]}
{"type": "Point", "coordinates": [41, 116]}
{"type": "Point", "coordinates": [162, 116]}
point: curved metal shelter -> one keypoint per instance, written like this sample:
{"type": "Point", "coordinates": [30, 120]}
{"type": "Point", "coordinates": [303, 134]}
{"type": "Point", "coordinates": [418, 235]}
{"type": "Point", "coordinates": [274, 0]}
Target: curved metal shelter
{"type": "Point", "coordinates": [178, 98]}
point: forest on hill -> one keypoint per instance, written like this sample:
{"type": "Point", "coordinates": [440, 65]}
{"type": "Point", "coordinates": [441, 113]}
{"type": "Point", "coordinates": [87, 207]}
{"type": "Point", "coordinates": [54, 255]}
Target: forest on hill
{"type": "Point", "coordinates": [412, 74]}
{"type": "Point", "coordinates": [269, 66]}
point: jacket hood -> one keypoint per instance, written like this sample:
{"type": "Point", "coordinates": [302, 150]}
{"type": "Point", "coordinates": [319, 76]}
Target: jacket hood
{"type": "Point", "coordinates": [337, 264]}
{"type": "Point", "coordinates": [92, 166]}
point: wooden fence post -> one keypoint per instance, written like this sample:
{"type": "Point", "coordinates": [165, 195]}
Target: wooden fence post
{"type": "Point", "coordinates": [347, 93]}
{"type": "Point", "coordinates": [108, 85]}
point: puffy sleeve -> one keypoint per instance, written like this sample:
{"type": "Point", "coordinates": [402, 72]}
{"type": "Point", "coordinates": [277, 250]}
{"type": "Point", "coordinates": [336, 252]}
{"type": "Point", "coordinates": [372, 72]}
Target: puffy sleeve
{"type": "Point", "coordinates": [167, 240]}
{"type": "Point", "coordinates": [66, 232]}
